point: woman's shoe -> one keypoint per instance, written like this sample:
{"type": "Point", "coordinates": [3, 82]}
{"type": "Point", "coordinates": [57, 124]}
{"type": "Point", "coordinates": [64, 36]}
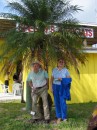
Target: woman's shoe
{"type": "Point", "coordinates": [65, 120]}
{"type": "Point", "coordinates": [59, 120]}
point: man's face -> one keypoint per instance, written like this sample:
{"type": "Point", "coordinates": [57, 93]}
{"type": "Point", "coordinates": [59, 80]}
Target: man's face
{"type": "Point", "coordinates": [36, 67]}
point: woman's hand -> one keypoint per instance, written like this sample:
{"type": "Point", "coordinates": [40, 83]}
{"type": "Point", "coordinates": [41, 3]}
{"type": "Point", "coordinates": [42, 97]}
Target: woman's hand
{"type": "Point", "coordinates": [68, 76]}
{"type": "Point", "coordinates": [59, 79]}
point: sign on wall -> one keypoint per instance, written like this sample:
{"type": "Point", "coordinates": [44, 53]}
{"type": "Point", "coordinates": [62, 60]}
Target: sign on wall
{"type": "Point", "coordinates": [89, 32]}
{"type": "Point", "coordinates": [84, 32]}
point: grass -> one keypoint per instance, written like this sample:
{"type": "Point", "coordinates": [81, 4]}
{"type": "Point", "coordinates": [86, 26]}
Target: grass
{"type": "Point", "coordinates": [12, 117]}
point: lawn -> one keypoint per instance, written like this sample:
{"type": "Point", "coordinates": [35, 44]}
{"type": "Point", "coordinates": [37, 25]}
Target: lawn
{"type": "Point", "coordinates": [12, 117]}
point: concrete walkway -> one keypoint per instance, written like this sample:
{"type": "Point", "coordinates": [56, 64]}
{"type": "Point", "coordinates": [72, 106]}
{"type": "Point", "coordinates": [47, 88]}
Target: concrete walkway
{"type": "Point", "coordinates": [8, 97]}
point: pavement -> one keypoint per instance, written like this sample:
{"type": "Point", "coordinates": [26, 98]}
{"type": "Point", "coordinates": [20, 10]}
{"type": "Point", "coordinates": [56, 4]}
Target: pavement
{"type": "Point", "coordinates": [8, 97]}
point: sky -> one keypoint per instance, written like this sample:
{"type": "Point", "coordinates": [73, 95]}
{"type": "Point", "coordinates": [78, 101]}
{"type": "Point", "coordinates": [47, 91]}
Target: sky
{"type": "Point", "coordinates": [88, 15]}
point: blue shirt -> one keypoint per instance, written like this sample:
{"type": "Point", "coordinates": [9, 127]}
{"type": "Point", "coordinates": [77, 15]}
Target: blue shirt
{"type": "Point", "coordinates": [38, 79]}
{"type": "Point", "coordinates": [63, 73]}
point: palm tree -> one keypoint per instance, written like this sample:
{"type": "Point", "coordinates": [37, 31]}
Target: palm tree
{"type": "Point", "coordinates": [42, 14]}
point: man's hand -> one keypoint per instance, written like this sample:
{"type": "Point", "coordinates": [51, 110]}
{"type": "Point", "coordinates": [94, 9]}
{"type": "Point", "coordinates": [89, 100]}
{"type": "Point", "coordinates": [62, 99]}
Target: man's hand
{"type": "Point", "coordinates": [30, 84]}
{"type": "Point", "coordinates": [33, 89]}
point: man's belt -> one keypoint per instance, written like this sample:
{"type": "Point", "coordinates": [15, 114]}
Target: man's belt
{"type": "Point", "coordinates": [41, 86]}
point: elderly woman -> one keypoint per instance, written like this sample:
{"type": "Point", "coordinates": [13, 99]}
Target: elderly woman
{"type": "Point", "coordinates": [58, 75]}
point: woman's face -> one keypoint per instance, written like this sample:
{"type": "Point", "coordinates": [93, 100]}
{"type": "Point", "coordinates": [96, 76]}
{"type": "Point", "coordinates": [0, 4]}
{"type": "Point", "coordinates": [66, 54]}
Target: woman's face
{"type": "Point", "coordinates": [61, 63]}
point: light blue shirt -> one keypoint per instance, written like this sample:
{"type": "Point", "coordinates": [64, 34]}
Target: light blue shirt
{"type": "Point", "coordinates": [38, 79]}
{"type": "Point", "coordinates": [63, 73]}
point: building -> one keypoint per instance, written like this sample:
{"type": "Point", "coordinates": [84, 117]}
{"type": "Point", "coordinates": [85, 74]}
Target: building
{"type": "Point", "coordinates": [84, 87]}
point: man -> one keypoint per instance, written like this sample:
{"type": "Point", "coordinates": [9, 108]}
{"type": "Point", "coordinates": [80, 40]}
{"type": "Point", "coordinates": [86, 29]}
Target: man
{"type": "Point", "coordinates": [38, 80]}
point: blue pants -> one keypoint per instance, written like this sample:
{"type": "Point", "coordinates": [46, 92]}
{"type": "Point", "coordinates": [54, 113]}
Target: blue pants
{"type": "Point", "coordinates": [60, 103]}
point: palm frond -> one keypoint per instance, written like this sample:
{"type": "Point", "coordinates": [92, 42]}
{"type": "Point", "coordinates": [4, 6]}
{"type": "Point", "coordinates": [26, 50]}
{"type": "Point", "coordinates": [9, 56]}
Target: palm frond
{"type": "Point", "coordinates": [40, 14]}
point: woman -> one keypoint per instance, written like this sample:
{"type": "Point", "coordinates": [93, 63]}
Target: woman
{"type": "Point", "coordinates": [58, 74]}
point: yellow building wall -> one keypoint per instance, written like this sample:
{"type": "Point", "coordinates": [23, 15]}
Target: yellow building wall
{"type": "Point", "coordinates": [84, 86]}
{"type": "Point", "coordinates": [2, 77]}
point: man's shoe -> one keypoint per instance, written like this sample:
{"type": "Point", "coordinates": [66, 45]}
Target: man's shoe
{"type": "Point", "coordinates": [47, 121]}
{"type": "Point", "coordinates": [32, 120]}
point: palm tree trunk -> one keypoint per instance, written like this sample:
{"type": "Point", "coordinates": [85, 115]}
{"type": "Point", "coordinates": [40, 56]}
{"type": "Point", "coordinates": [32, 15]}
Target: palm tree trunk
{"type": "Point", "coordinates": [22, 94]}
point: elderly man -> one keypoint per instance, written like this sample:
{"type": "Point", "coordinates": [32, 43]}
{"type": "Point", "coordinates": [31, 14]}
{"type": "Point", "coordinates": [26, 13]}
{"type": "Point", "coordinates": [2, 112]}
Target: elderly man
{"type": "Point", "coordinates": [38, 80]}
